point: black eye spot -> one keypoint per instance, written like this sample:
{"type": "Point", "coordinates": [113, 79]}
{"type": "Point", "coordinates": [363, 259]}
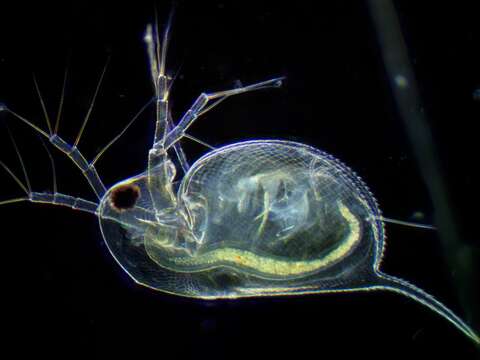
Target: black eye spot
{"type": "Point", "coordinates": [124, 197]}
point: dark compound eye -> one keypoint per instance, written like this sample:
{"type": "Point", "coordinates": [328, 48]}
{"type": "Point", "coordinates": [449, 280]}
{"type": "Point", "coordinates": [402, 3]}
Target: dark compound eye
{"type": "Point", "coordinates": [124, 197]}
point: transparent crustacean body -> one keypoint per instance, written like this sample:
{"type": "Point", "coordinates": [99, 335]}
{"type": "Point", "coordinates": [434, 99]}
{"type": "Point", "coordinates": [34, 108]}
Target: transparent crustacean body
{"type": "Point", "coordinates": [254, 218]}
{"type": "Point", "coordinates": [249, 219]}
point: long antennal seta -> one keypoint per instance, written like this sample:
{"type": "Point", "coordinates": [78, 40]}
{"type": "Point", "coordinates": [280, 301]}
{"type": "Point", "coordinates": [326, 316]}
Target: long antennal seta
{"type": "Point", "coordinates": [22, 164]}
{"type": "Point", "coordinates": [89, 112]}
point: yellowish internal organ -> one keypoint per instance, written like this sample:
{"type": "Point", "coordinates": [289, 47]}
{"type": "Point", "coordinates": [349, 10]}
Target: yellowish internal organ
{"type": "Point", "coordinates": [278, 267]}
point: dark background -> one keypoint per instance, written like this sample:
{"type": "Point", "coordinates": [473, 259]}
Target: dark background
{"type": "Point", "coordinates": [64, 295]}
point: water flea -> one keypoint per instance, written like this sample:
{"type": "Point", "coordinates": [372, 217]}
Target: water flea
{"type": "Point", "coordinates": [263, 217]}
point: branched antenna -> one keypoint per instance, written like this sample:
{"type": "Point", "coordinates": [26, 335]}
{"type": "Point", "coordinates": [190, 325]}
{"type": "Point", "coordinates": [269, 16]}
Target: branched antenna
{"type": "Point", "coordinates": [72, 152]}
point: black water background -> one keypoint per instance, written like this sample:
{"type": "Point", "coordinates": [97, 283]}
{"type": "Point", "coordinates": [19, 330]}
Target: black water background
{"type": "Point", "coordinates": [62, 290]}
